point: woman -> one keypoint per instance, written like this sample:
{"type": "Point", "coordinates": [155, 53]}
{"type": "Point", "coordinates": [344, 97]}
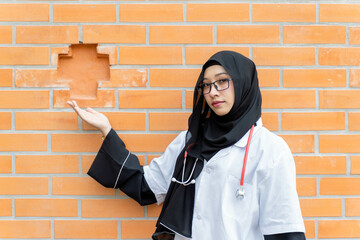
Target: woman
{"type": "Point", "coordinates": [226, 177]}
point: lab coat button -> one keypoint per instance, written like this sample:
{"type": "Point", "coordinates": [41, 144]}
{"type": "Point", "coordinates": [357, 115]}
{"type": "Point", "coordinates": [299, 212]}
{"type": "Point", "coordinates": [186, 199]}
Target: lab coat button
{"type": "Point", "coordinates": [198, 217]}
{"type": "Point", "coordinates": [208, 170]}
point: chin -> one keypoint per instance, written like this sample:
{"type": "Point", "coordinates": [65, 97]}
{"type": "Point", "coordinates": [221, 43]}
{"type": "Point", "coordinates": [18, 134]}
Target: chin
{"type": "Point", "coordinates": [220, 112]}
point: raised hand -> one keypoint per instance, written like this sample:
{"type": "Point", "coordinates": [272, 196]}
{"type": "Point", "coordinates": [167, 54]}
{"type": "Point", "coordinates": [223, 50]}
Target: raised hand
{"type": "Point", "coordinates": [92, 117]}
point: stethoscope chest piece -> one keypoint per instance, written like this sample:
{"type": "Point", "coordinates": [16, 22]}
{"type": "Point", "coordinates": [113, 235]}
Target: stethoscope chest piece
{"type": "Point", "coordinates": [240, 193]}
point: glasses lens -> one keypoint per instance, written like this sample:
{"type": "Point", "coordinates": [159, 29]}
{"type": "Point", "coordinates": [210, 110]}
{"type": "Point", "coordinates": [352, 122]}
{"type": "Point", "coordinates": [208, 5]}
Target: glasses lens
{"type": "Point", "coordinates": [222, 84]}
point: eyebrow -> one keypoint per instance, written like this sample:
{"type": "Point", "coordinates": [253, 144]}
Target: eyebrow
{"type": "Point", "coordinates": [217, 75]}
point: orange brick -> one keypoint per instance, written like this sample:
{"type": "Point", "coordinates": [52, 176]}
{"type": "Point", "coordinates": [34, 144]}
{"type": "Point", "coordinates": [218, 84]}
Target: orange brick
{"type": "Point", "coordinates": [46, 207]}
{"type": "Point", "coordinates": [24, 99]}
{"type": "Point", "coordinates": [339, 228]}
{"type": "Point", "coordinates": [339, 56]}
{"type": "Point", "coordinates": [130, 228]}
{"type": "Point", "coordinates": [279, 56]}
{"type": "Point", "coordinates": [6, 77]}
{"type": "Point", "coordinates": [270, 120]}
{"type": "Point", "coordinates": [288, 98]}
{"type": "Point", "coordinates": [339, 186]}
{"type": "Point", "coordinates": [321, 207]}
{"type": "Point", "coordinates": [78, 186]}
{"type": "Point", "coordinates": [6, 207]}
{"type": "Point", "coordinates": [181, 34]}
{"type": "Point", "coordinates": [154, 210]}
{"type": "Point", "coordinates": [352, 207]}
{"type": "Point", "coordinates": [85, 229]}
{"type": "Point", "coordinates": [84, 13]}
{"type": "Point", "coordinates": [314, 34]}
{"type": "Point", "coordinates": [284, 12]}
{"type": "Point", "coordinates": [47, 34]}
{"type": "Point", "coordinates": [300, 143]}
{"type": "Point", "coordinates": [104, 98]}
{"type": "Point", "coordinates": [308, 121]}
{"type": "Point", "coordinates": [148, 142]}
{"type": "Point", "coordinates": [354, 77]}
{"type": "Point", "coordinates": [339, 98]}
{"type": "Point", "coordinates": [174, 121]}
{"type": "Point", "coordinates": [150, 55]}
{"type": "Point", "coordinates": [199, 55]}
{"type": "Point", "coordinates": [37, 78]}
{"type": "Point", "coordinates": [5, 34]}
{"type": "Point", "coordinates": [215, 12]}
{"type": "Point", "coordinates": [151, 12]}
{"type": "Point", "coordinates": [122, 121]}
{"type": "Point", "coordinates": [355, 165]}
{"type": "Point", "coordinates": [5, 120]}
{"type": "Point", "coordinates": [162, 77]}
{"type": "Point", "coordinates": [23, 186]}
{"type": "Point", "coordinates": [126, 78]}
{"type": "Point", "coordinates": [5, 164]}
{"type": "Point", "coordinates": [25, 229]}
{"type": "Point", "coordinates": [248, 34]}
{"type": "Point", "coordinates": [111, 208]}
{"type": "Point", "coordinates": [55, 51]}
{"type": "Point", "coordinates": [268, 77]}
{"type": "Point", "coordinates": [24, 55]}
{"type": "Point", "coordinates": [87, 160]}
{"type": "Point", "coordinates": [339, 143]}
{"type": "Point", "coordinates": [306, 186]}
{"type": "Point", "coordinates": [112, 51]}
{"type": "Point", "coordinates": [150, 99]}
{"type": "Point", "coordinates": [314, 78]}
{"type": "Point", "coordinates": [320, 165]}
{"type": "Point", "coordinates": [189, 95]}
{"type": "Point", "coordinates": [114, 34]}
{"type": "Point", "coordinates": [354, 35]}
{"type": "Point", "coordinates": [339, 12]}
{"type": "Point", "coordinates": [47, 164]}
{"type": "Point", "coordinates": [24, 12]}
{"type": "Point", "coordinates": [75, 142]}
{"type": "Point", "coordinates": [23, 142]}
{"type": "Point", "coordinates": [46, 121]}
{"type": "Point", "coordinates": [309, 228]}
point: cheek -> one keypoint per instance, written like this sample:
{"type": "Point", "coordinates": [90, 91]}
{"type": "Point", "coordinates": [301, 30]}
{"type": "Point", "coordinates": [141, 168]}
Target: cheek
{"type": "Point", "coordinates": [207, 99]}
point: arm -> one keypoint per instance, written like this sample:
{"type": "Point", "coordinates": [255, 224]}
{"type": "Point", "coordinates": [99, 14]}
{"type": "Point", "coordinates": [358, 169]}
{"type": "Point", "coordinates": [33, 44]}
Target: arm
{"type": "Point", "coordinates": [114, 166]}
{"type": "Point", "coordinates": [280, 213]}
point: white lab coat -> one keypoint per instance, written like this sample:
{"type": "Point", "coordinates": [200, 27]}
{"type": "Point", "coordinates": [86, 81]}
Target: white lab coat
{"type": "Point", "coordinates": [270, 204]}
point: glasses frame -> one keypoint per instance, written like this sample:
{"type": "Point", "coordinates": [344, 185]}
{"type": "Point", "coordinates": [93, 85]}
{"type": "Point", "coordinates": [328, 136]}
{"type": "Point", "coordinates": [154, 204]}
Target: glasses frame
{"type": "Point", "coordinates": [200, 89]}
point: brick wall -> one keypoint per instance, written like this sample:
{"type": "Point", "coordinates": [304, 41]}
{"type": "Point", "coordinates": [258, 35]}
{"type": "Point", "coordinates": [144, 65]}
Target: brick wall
{"type": "Point", "coordinates": [308, 59]}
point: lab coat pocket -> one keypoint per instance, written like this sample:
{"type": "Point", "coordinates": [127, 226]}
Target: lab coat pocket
{"type": "Point", "coordinates": [234, 206]}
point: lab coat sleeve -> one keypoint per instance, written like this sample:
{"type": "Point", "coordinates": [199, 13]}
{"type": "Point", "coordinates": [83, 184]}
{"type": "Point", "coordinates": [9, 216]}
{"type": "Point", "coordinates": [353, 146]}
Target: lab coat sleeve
{"type": "Point", "coordinates": [116, 167]}
{"type": "Point", "coordinates": [159, 172]}
{"type": "Point", "coordinates": [279, 203]}
{"type": "Point", "coordinates": [286, 236]}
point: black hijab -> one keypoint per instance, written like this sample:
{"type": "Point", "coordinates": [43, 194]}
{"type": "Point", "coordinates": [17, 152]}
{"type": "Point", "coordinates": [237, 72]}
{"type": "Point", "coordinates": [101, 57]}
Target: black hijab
{"type": "Point", "coordinates": [207, 134]}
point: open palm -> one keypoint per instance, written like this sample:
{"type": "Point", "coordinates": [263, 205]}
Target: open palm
{"type": "Point", "coordinates": [92, 117]}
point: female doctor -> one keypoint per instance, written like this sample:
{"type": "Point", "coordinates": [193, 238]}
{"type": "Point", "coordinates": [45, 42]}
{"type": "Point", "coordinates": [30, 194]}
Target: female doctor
{"type": "Point", "coordinates": [226, 178]}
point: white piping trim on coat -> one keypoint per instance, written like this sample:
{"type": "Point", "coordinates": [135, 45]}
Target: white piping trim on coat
{"type": "Point", "coordinates": [117, 179]}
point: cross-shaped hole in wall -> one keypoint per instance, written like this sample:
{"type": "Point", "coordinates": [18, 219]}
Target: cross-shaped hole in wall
{"type": "Point", "coordinates": [82, 68]}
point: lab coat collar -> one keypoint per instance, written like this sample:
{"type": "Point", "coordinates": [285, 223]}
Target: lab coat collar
{"type": "Point", "coordinates": [243, 141]}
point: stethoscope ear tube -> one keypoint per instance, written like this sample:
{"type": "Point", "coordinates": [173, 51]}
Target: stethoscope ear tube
{"type": "Point", "coordinates": [240, 193]}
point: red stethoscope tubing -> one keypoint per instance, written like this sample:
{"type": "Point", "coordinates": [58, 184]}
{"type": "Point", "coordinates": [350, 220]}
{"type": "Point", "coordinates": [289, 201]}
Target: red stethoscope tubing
{"type": "Point", "coordinates": [245, 157]}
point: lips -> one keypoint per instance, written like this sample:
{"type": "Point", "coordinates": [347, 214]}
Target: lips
{"type": "Point", "coordinates": [217, 103]}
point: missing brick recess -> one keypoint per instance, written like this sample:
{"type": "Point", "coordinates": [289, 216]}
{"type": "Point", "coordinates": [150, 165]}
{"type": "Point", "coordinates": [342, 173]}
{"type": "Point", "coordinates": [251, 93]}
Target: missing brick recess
{"type": "Point", "coordinates": [82, 68]}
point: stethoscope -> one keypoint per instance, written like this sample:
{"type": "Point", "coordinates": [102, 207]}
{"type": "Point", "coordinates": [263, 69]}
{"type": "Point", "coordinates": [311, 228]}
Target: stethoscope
{"type": "Point", "coordinates": [240, 193]}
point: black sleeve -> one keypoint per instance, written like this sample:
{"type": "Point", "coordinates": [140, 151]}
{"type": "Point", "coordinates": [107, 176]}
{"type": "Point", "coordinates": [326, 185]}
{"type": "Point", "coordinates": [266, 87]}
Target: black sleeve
{"type": "Point", "coordinates": [115, 167]}
{"type": "Point", "coordinates": [286, 236]}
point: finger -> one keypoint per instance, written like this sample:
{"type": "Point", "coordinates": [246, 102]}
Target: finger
{"type": "Point", "coordinates": [89, 109]}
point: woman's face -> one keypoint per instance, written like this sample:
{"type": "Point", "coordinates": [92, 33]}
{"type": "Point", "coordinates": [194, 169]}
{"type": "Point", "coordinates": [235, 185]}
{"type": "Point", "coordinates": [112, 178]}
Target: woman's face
{"type": "Point", "coordinates": [220, 102]}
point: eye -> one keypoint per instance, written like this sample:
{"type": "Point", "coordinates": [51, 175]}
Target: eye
{"type": "Point", "coordinates": [223, 80]}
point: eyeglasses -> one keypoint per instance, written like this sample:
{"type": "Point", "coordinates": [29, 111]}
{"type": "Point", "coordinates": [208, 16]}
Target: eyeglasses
{"type": "Point", "coordinates": [220, 85]}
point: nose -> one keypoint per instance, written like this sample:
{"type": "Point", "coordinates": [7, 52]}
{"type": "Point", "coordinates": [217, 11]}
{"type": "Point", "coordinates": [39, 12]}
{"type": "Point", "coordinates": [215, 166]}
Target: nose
{"type": "Point", "coordinates": [213, 91]}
